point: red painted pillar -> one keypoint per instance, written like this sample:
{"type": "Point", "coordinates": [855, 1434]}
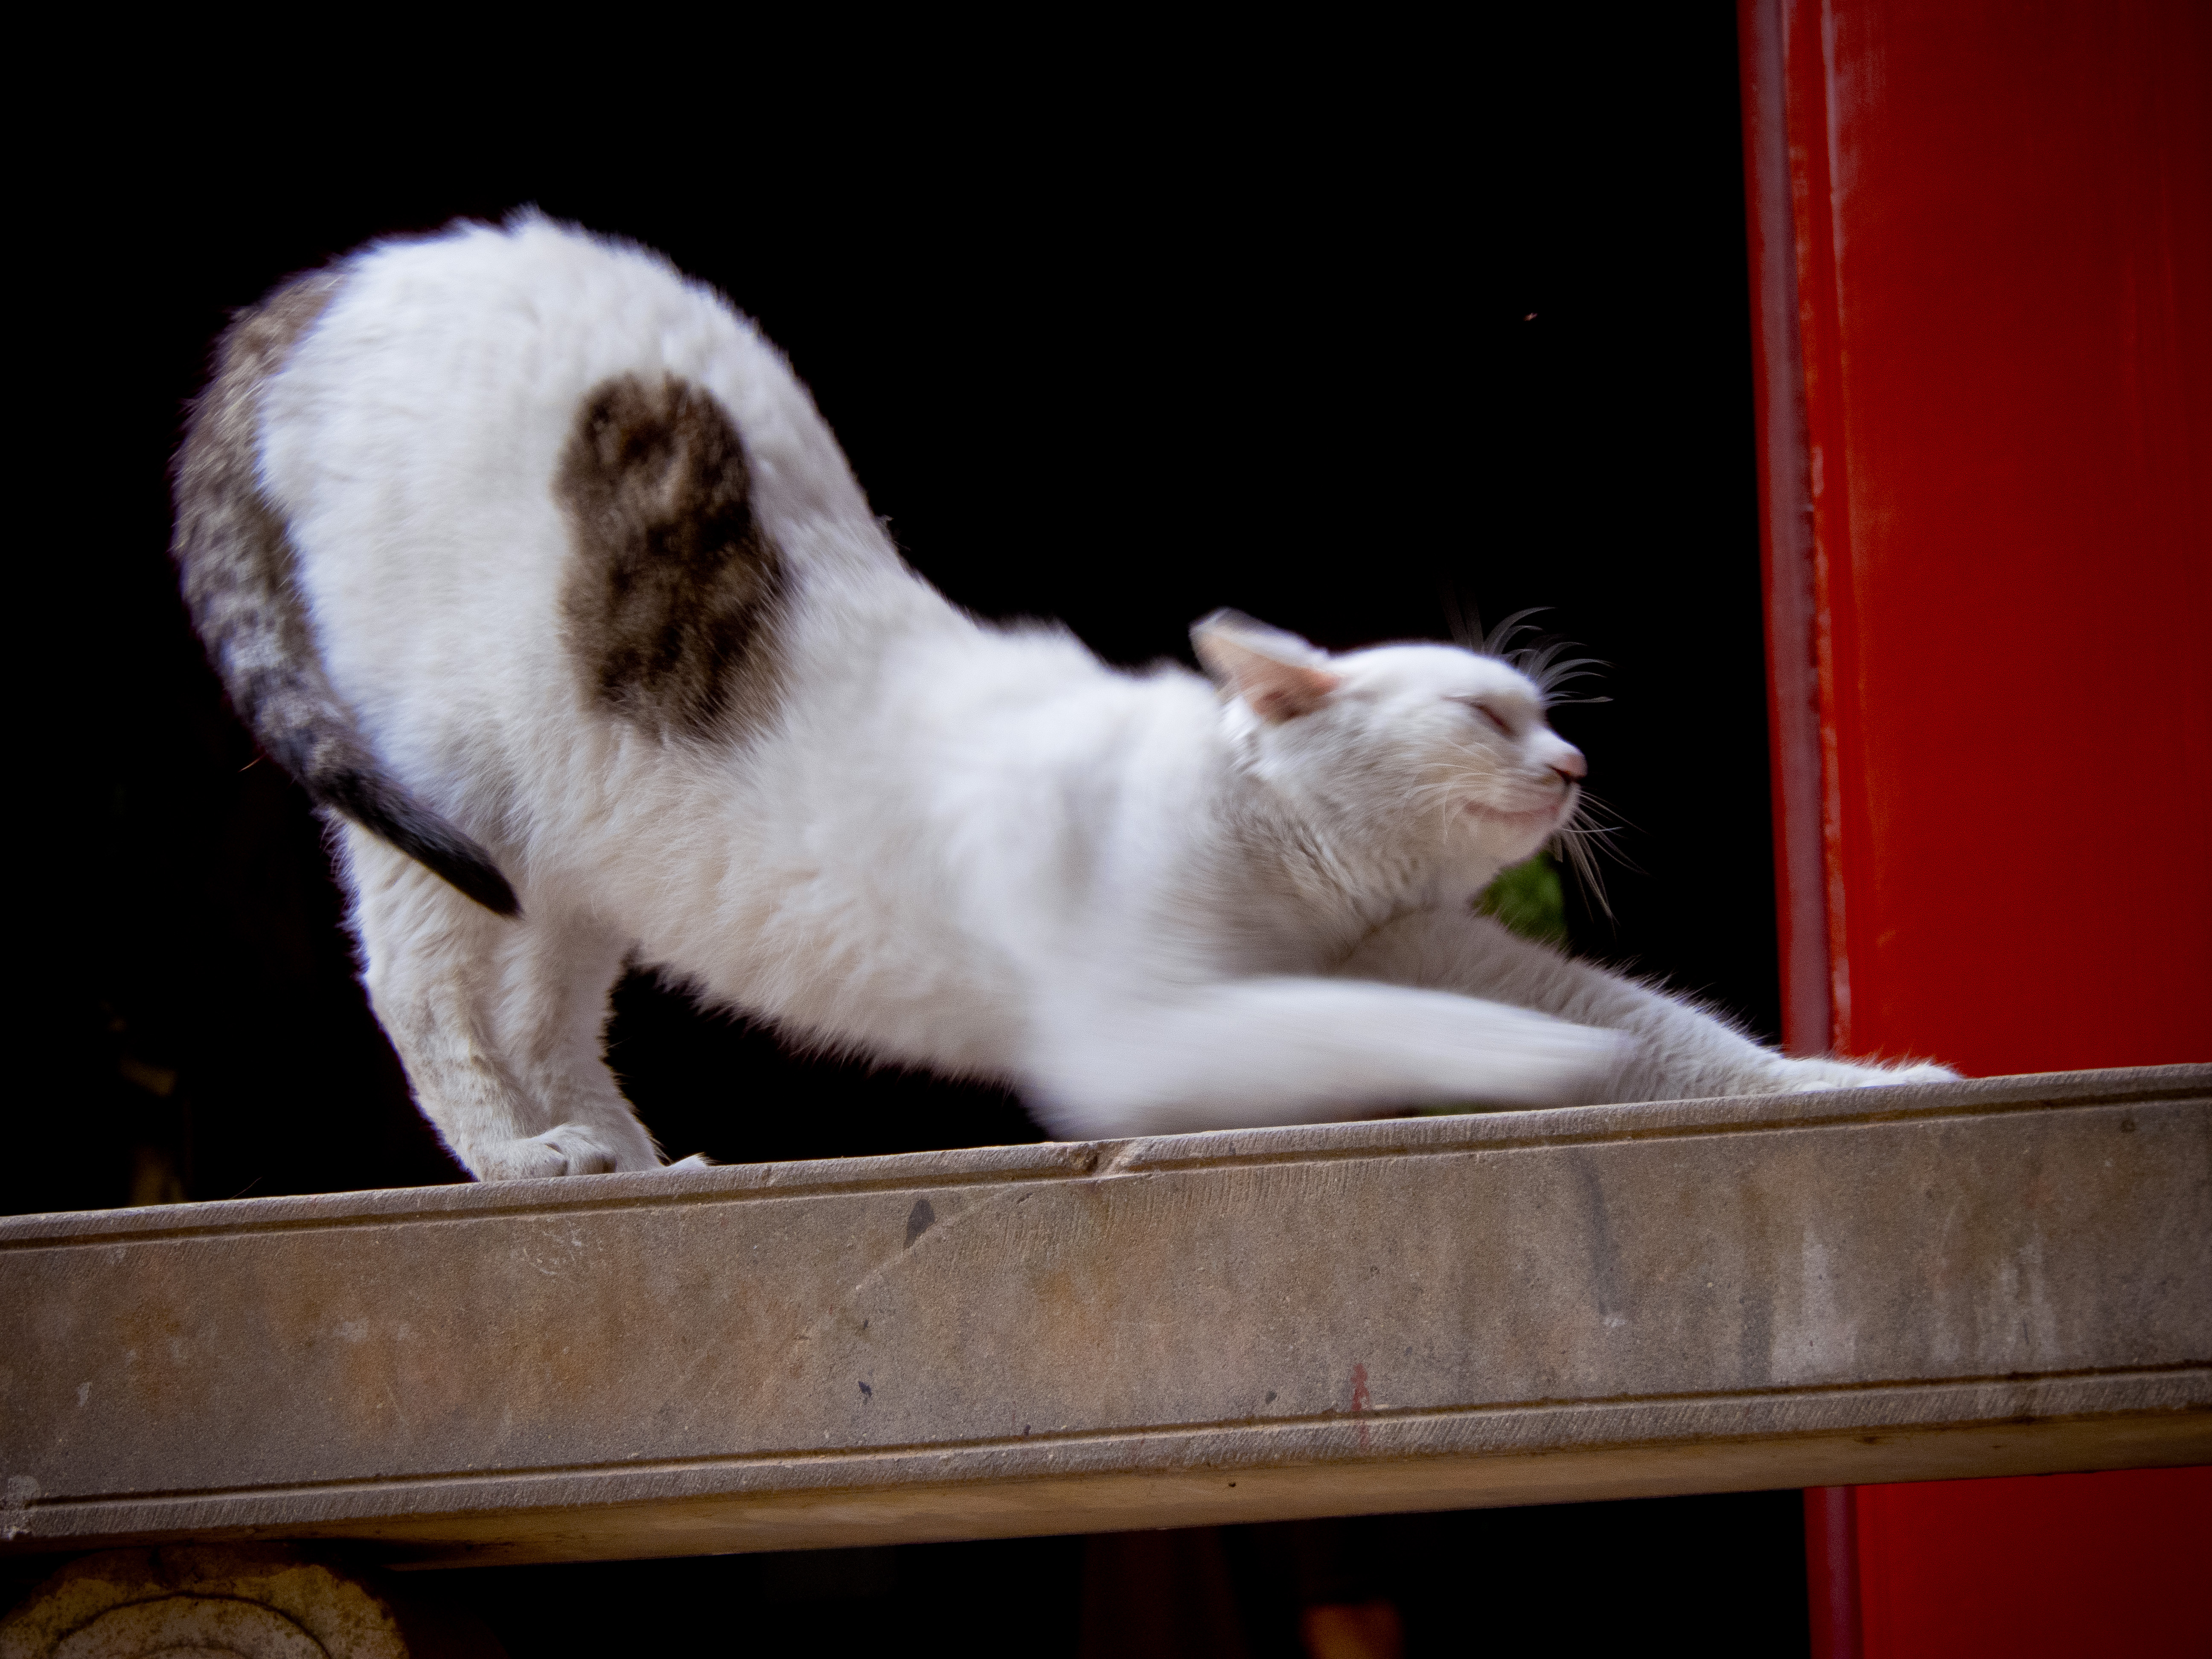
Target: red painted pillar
{"type": "Point", "coordinates": [1981, 238]}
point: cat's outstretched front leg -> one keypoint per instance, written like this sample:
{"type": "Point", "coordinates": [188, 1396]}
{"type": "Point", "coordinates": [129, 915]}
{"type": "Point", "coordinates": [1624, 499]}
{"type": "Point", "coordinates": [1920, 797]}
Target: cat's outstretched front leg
{"type": "Point", "coordinates": [1681, 1052]}
{"type": "Point", "coordinates": [1253, 1052]}
{"type": "Point", "coordinates": [499, 1022]}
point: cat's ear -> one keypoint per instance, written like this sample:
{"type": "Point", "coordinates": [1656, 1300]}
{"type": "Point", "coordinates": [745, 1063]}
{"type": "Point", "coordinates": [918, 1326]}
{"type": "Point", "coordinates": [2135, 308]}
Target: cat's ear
{"type": "Point", "coordinates": [1277, 674]}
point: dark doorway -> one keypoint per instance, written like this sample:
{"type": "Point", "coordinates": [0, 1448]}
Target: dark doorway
{"type": "Point", "coordinates": [1118, 358]}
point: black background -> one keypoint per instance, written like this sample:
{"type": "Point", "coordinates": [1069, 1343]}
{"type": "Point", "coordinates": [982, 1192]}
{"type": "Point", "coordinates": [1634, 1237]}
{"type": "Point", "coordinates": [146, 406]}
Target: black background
{"type": "Point", "coordinates": [1116, 358]}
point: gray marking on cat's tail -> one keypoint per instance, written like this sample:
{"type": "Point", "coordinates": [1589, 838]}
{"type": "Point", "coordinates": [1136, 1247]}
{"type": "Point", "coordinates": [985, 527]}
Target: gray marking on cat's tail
{"type": "Point", "coordinates": [237, 563]}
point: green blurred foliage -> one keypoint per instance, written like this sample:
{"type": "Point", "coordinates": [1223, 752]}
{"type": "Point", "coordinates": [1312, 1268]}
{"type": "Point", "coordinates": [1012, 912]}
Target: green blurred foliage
{"type": "Point", "coordinates": [1528, 898]}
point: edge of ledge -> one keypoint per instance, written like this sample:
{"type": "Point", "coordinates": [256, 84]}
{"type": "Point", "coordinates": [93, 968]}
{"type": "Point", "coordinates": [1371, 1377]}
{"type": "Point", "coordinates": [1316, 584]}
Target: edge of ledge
{"type": "Point", "coordinates": [1048, 1161]}
{"type": "Point", "coordinates": [2169, 1408]}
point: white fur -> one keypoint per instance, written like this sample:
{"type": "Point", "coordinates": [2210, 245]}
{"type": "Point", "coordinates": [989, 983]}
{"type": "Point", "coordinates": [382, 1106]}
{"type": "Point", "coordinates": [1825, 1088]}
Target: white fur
{"type": "Point", "coordinates": [1151, 905]}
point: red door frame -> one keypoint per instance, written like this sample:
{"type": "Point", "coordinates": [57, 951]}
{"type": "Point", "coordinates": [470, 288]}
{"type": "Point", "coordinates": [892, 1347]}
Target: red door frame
{"type": "Point", "coordinates": [1981, 262]}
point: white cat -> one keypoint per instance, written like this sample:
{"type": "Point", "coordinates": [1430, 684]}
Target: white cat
{"type": "Point", "coordinates": [535, 564]}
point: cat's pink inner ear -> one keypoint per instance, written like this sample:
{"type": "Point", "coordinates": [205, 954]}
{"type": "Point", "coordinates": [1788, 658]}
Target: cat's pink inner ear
{"type": "Point", "coordinates": [1276, 691]}
{"type": "Point", "coordinates": [1293, 692]}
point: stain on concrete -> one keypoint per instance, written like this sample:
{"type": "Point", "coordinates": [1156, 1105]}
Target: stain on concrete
{"type": "Point", "coordinates": [1605, 1275]}
{"type": "Point", "coordinates": [919, 1220]}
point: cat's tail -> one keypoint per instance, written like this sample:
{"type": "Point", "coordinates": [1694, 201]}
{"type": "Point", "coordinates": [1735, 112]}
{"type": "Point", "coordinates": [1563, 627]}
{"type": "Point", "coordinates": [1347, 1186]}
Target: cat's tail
{"type": "Point", "coordinates": [236, 560]}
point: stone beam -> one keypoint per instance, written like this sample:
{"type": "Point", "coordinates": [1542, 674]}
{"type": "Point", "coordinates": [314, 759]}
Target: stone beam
{"type": "Point", "coordinates": [1999, 1277]}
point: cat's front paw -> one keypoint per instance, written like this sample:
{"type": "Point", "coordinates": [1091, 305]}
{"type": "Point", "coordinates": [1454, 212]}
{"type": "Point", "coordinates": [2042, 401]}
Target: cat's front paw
{"type": "Point", "coordinates": [1813, 1076]}
{"type": "Point", "coordinates": [566, 1149]}
{"type": "Point", "coordinates": [1926, 1071]}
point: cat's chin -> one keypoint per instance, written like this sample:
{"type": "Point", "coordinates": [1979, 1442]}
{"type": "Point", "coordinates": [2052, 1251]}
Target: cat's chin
{"type": "Point", "coordinates": [1540, 821]}
{"type": "Point", "coordinates": [1512, 837]}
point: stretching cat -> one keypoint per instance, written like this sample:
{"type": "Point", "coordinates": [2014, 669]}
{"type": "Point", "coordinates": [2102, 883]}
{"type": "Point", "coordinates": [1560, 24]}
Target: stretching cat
{"type": "Point", "coordinates": [534, 563]}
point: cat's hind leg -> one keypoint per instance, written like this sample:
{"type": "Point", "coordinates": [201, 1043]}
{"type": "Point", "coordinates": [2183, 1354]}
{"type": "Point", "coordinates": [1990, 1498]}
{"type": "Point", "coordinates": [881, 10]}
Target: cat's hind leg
{"type": "Point", "coordinates": [499, 1021]}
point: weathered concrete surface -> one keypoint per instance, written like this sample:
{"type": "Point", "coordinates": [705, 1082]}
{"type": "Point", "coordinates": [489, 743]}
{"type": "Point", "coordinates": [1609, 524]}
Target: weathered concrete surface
{"type": "Point", "coordinates": [1997, 1277]}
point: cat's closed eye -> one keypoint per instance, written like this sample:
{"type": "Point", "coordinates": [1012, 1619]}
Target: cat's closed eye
{"type": "Point", "coordinates": [1496, 720]}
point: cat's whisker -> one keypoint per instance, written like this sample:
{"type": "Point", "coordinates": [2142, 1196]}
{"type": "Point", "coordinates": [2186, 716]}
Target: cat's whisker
{"type": "Point", "coordinates": [1463, 620]}
{"type": "Point", "coordinates": [1498, 642]}
{"type": "Point", "coordinates": [1580, 860]}
{"type": "Point", "coordinates": [1581, 839]}
{"type": "Point", "coordinates": [1541, 663]}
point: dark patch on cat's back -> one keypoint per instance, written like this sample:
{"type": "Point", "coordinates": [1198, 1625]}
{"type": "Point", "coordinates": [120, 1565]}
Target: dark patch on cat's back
{"type": "Point", "coordinates": [672, 607]}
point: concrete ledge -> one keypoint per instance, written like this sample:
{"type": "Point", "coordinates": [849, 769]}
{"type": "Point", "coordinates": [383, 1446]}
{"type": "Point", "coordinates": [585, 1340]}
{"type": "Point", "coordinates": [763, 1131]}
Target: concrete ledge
{"type": "Point", "coordinates": [2006, 1276]}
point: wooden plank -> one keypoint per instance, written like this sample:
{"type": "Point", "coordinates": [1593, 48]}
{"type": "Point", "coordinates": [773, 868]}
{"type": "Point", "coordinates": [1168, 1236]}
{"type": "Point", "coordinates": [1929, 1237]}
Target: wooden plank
{"type": "Point", "coordinates": [2004, 1276]}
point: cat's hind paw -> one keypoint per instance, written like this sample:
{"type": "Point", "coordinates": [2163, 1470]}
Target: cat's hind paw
{"type": "Point", "coordinates": [566, 1149]}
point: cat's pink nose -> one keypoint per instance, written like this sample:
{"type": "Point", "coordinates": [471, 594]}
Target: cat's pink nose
{"type": "Point", "coordinates": [1571, 767]}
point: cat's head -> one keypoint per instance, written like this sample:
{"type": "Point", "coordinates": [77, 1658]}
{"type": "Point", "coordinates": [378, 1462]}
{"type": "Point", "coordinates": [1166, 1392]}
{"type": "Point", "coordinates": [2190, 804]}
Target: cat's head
{"type": "Point", "coordinates": [1414, 748]}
